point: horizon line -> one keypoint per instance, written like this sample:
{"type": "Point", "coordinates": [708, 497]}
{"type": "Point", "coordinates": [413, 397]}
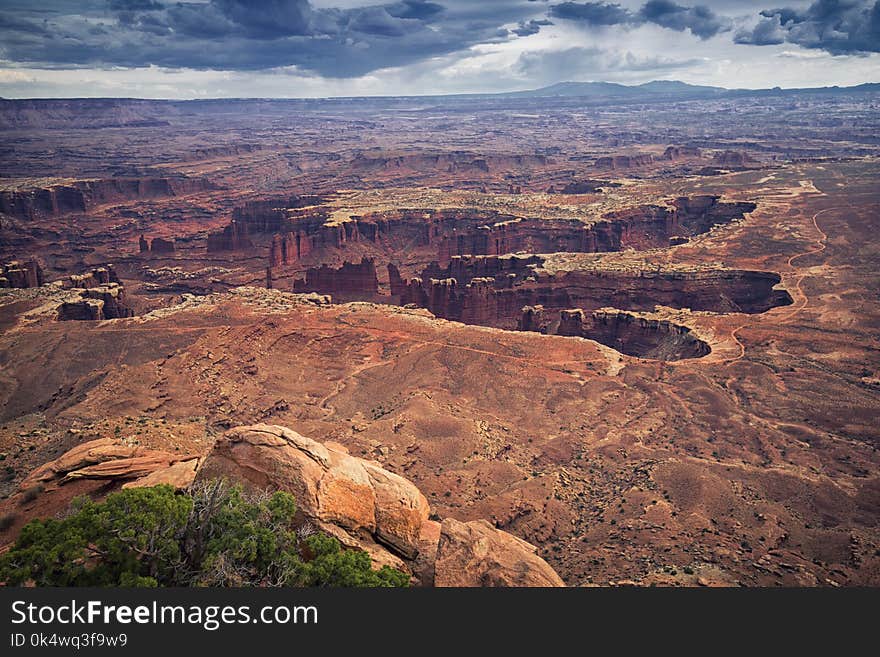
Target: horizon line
{"type": "Point", "coordinates": [442, 95]}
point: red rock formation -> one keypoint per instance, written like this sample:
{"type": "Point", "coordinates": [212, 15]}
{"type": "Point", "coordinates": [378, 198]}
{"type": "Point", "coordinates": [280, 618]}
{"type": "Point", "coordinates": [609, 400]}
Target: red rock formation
{"type": "Point", "coordinates": [640, 227]}
{"type": "Point", "coordinates": [233, 237]}
{"type": "Point", "coordinates": [21, 274]}
{"type": "Point", "coordinates": [159, 245]}
{"type": "Point", "coordinates": [586, 186]}
{"type": "Point", "coordinates": [371, 509]}
{"type": "Point", "coordinates": [270, 215]}
{"type": "Point", "coordinates": [97, 303]}
{"type": "Point", "coordinates": [84, 195]}
{"type": "Point", "coordinates": [733, 159]}
{"type": "Point", "coordinates": [646, 338]}
{"type": "Point", "coordinates": [351, 280]}
{"type": "Point", "coordinates": [449, 162]}
{"type": "Point", "coordinates": [679, 152]}
{"type": "Point", "coordinates": [82, 310]}
{"type": "Point", "coordinates": [617, 162]}
{"type": "Point", "coordinates": [94, 278]}
{"type": "Point", "coordinates": [395, 281]}
{"type": "Point", "coordinates": [276, 252]}
{"type": "Point", "coordinates": [499, 301]}
{"type": "Point", "coordinates": [627, 333]}
{"type": "Point", "coordinates": [571, 322]}
{"type": "Point", "coordinates": [477, 554]}
{"type": "Point", "coordinates": [532, 319]}
{"type": "Point", "coordinates": [143, 245]}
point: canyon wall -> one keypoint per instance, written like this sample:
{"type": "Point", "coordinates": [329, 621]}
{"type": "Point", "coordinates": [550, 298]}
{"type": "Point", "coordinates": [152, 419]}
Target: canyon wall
{"type": "Point", "coordinates": [82, 195]}
{"type": "Point", "coordinates": [156, 245]}
{"type": "Point", "coordinates": [625, 332]}
{"type": "Point", "coordinates": [459, 232]}
{"type": "Point", "coordinates": [94, 278]}
{"type": "Point", "coordinates": [234, 237]}
{"type": "Point", "coordinates": [449, 162]}
{"type": "Point", "coordinates": [19, 273]}
{"type": "Point", "coordinates": [97, 303]}
{"type": "Point", "coordinates": [351, 279]}
{"type": "Point", "coordinates": [616, 162]}
{"type": "Point", "coordinates": [498, 301]}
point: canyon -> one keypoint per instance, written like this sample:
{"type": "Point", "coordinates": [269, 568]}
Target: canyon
{"type": "Point", "coordinates": [587, 343]}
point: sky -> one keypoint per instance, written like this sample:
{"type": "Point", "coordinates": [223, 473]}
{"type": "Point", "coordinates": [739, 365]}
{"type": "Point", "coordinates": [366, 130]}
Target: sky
{"type": "Point", "coordinates": [319, 48]}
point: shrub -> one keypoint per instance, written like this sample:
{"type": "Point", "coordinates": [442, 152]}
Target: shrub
{"type": "Point", "coordinates": [32, 493]}
{"type": "Point", "coordinates": [212, 535]}
{"type": "Point", "coordinates": [6, 521]}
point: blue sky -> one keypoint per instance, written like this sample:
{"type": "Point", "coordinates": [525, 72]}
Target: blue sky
{"type": "Point", "coordinates": [291, 48]}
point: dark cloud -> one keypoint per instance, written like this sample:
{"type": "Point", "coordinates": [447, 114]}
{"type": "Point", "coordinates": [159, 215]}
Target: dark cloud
{"type": "Point", "coordinates": [593, 13]}
{"type": "Point", "coordinates": [527, 28]}
{"type": "Point", "coordinates": [420, 9]}
{"type": "Point", "coordinates": [700, 20]}
{"type": "Point", "coordinates": [245, 35]}
{"type": "Point", "coordinates": [134, 5]}
{"type": "Point", "coordinates": [840, 27]}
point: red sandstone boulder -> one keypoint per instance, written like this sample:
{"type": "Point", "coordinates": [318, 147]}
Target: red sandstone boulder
{"type": "Point", "coordinates": [369, 508]}
{"type": "Point", "coordinates": [361, 504]}
{"type": "Point", "coordinates": [109, 460]}
{"type": "Point", "coordinates": [477, 554]}
{"type": "Point", "coordinates": [330, 486]}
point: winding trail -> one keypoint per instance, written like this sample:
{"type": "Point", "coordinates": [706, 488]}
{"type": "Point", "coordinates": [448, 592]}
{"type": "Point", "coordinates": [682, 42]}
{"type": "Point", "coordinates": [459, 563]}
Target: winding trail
{"type": "Point", "coordinates": [818, 248]}
{"type": "Point", "coordinates": [821, 244]}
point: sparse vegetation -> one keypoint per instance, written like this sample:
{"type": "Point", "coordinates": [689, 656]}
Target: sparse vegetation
{"type": "Point", "coordinates": [212, 535]}
{"type": "Point", "coordinates": [32, 493]}
{"type": "Point", "coordinates": [6, 521]}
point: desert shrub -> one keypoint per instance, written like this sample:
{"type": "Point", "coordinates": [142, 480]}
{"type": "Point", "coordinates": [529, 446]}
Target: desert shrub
{"type": "Point", "coordinates": [32, 493]}
{"type": "Point", "coordinates": [211, 535]}
{"type": "Point", "coordinates": [6, 521]}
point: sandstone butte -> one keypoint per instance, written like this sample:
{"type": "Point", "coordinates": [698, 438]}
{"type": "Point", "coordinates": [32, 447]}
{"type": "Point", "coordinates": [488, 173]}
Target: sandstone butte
{"type": "Point", "coordinates": [360, 503]}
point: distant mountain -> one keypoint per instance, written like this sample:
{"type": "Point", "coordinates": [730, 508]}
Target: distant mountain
{"type": "Point", "coordinates": [668, 89]}
{"type": "Point", "coordinates": [614, 90]}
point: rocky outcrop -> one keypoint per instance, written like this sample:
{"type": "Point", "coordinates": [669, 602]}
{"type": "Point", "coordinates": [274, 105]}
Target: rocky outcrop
{"type": "Point", "coordinates": [111, 460]}
{"type": "Point", "coordinates": [270, 215]}
{"type": "Point", "coordinates": [630, 334]}
{"type": "Point", "coordinates": [21, 274]}
{"type": "Point", "coordinates": [83, 195]}
{"type": "Point", "coordinates": [97, 303]}
{"type": "Point", "coordinates": [85, 310]}
{"type": "Point", "coordinates": [299, 234]}
{"type": "Point", "coordinates": [357, 280]}
{"type": "Point", "coordinates": [617, 162]}
{"type": "Point", "coordinates": [234, 237]}
{"type": "Point", "coordinates": [640, 227]}
{"type": "Point", "coordinates": [448, 162]}
{"type": "Point", "coordinates": [157, 245]}
{"type": "Point", "coordinates": [734, 159]}
{"type": "Point", "coordinates": [476, 554]}
{"type": "Point", "coordinates": [94, 278]}
{"type": "Point", "coordinates": [532, 318]}
{"type": "Point", "coordinates": [372, 509]}
{"type": "Point", "coordinates": [673, 153]}
{"type": "Point", "coordinates": [498, 301]}
{"type": "Point", "coordinates": [587, 186]}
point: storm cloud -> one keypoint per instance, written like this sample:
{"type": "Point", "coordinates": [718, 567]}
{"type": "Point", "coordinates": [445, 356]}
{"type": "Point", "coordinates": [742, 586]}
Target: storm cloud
{"type": "Point", "coordinates": [240, 35]}
{"type": "Point", "coordinates": [840, 27]}
{"type": "Point", "coordinates": [322, 46]}
{"type": "Point", "coordinates": [699, 20]}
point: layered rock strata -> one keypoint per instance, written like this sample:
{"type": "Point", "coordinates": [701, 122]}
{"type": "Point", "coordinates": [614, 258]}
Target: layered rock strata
{"type": "Point", "coordinates": [21, 274]}
{"type": "Point", "coordinates": [369, 508]}
{"type": "Point", "coordinates": [83, 195]}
